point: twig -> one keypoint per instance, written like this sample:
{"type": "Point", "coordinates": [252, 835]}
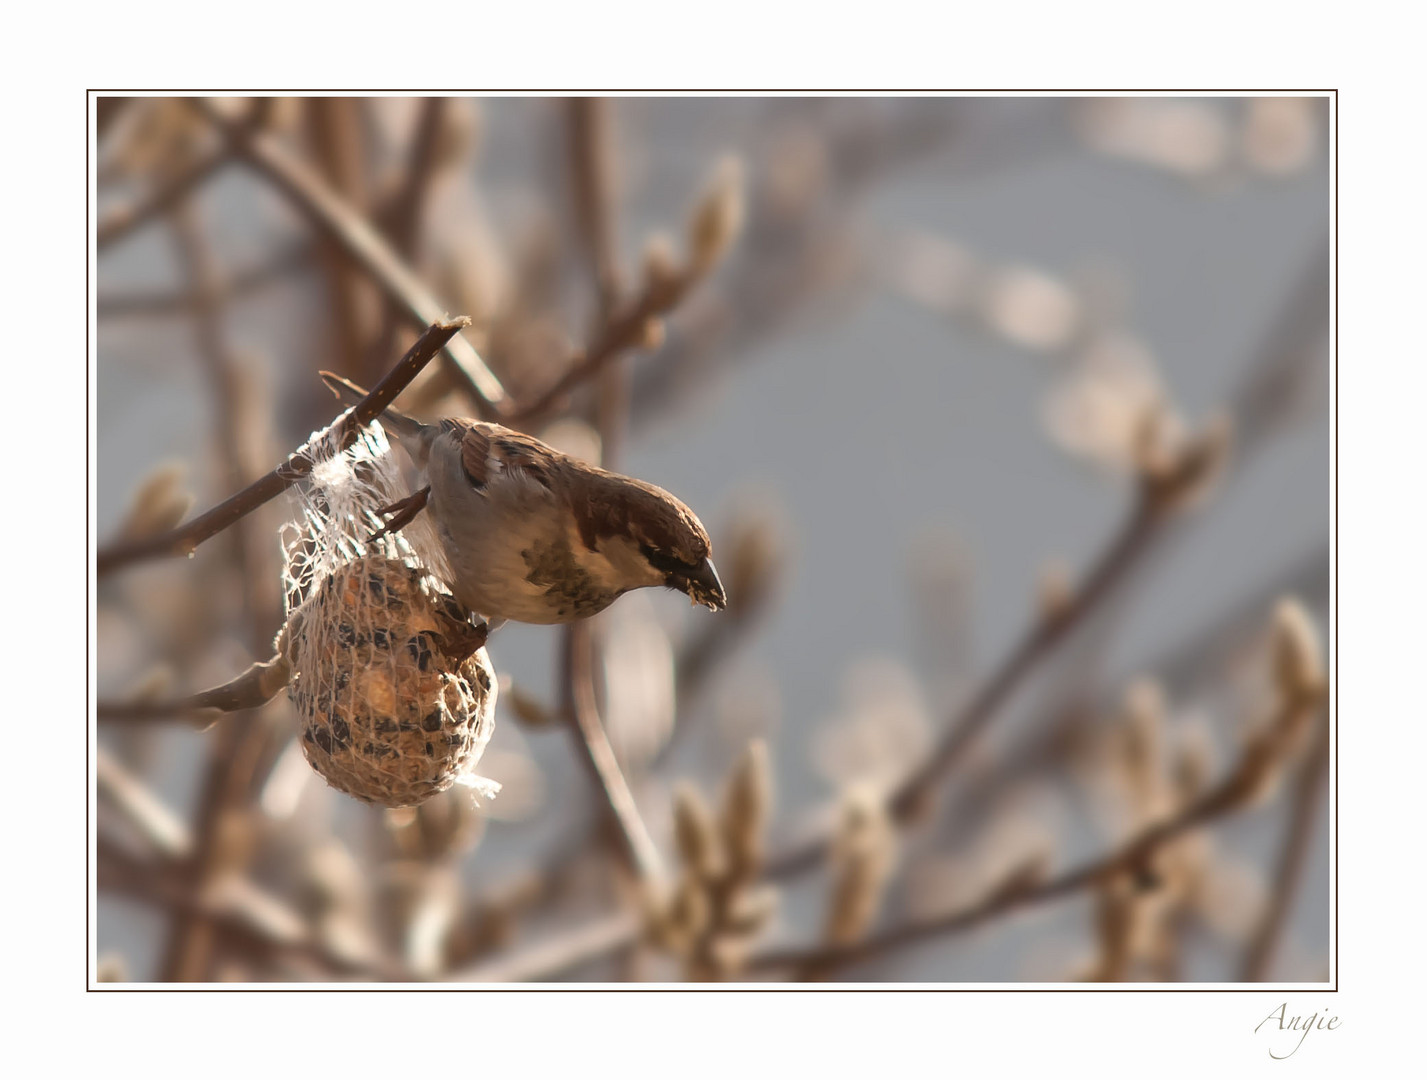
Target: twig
{"type": "Point", "coordinates": [296, 255]}
{"type": "Point", "coordinates": [233, 761]}
{"type": "Point", "coordinates": [336, 219]}
{"type": "Point", "coordinates": [795, 249]}
{"type": "Point", "coordinates": [696, 662]}
{"type": "Point", "coordinates": [137, 304]}
{"type": "Point", "coordinates": [1279, 362]}
{"type": "Point", "coordinates": [403, 218]}
{"type": "Point", "coordinates": [490, 917]}
{"type": "Point", "coordinates": [165, 833]}
{"type": "Point", "coordinates": [1293, 857]}
{"type": "Point", "coordinates": [594, 210]}
{"type": "Point", "coordinates": [1001, 900]}
{"type": "Point", "coordinates": [336, 131]}
{"type": "Point", "coordinates": [121, 222]}
{"type": "Point", "coordinates": [593, 198]}
{"type": "Point", "coordinates": [1275, 386]}
{"type": "Point", "coordinates": [606, 934]}
{"type": "Point", "coordinates": [1219, 640]}
{"type": "Point", "coordinates": [590, 125]}
{"type": "Point", "coordinates": [404, 210]}
{"type": "Point", "coordinates": [1300, 691]}
{"type": "Point", "coordinates": [599, 755]}
{"type": "Point", "coordinates": [753, 548]}
{"type": "Point", "coordinates": [185, 539]}
{"type": "Point", "coordinates": [558, 955]}
{"type": "Point", "coordinates": [249, 918]}
{"type": "Point", "coordinates": [221, 366]}
{"type": "Point", "coordinates": [591, 139]}
{"type": "Point", "coordinates": [1055, 730]}
{"type": "Point", "coordinates": [1136, 537]}
{"type": "Point", "coordinates": [712, 228]}
{"type": "Point", "coordinates": [256, 686]}
{"type": "Point", "coordinates": [107, 109]}
{"type": "Point", "coordinates": [626, 328]}
{"type": "Point", "coordinates": [1111, 568]}
{"type": "Point", "coordinates": [1114, 564]}
{"type": "Point", "coordinates": [233, 755]}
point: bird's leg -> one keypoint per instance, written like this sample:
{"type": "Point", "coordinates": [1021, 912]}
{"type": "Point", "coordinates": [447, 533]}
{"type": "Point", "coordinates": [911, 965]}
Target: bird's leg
{"type": "Point", "coordinates": [403, 512]}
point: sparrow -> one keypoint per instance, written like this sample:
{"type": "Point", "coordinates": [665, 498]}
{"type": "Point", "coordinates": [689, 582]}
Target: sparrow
{"type": "Point", "coordinates": [534, 535]}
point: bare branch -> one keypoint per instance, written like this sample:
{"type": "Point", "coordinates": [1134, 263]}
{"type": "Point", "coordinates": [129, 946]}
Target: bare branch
{"type": "Point", "coordinates": [599, 756]}
{"type": "Point", "coordinates": [119, 223]}
{"type": "Point", "coordinates": [165, 833]}
{"type": "Point", "coordinates": [336, 219]}
{"type": "Point", "coordinates": [252, 919]}
{"type": "Point", "coordinates": [627, 328]}
{"type": "Point", "coordinates": [559, 954]}
{"type": "Point", "coordinates": [256, 686]}
{"type": "Point", "coordinates": [1128, 546]}
{"type": "Point", "coordinates": [591, 137]}
{"type": "Point", "coordinates": [402, 213]}
{"type": "Point", "coordinates": [716, 220]}
{"type": "Point", "coordinates": [1131, 856]}
{"type": "Point", "coordinates": [1308, 794]}
{"type": "Point", "coordinates": [185, 539]}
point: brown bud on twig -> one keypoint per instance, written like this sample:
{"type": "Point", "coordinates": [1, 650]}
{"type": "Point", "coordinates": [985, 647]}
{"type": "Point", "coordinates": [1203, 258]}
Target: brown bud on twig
{"type": "Point", "coordinates": [689, 914]}
{"type": "Point", "coordinates": [757, 544]}
{"type": "Point", "coordinates": [159, 504]}
{"type": "Point", "coordinates": [458, 136]}
{"type": "Point", "coordinates": [1297, 653]}
{"type": "Point", "coordinates": [698, 840]}
{"type": "Point", "coordinates": [678, 919]}
{"type": "Point", "coordinates": [725, 956]}
{"type": "Point", "coordinates": [717, 218]}
{"type": "Point", "coordinates": [152, 685]}
{"type": "Point", "coordinates": [1055, 591]}
{"type": "Point", "coordinates": [1298, 675]}
{"type": "Point", "coordinates": [661, 269]}
{"type": "Point", "coordinates": [747, 804]}
{"type": "Point", "coordinates": [862, 856]}
{"type": "Point", "coordinates": [523, 705]}
{"type": "Point", "coordinates": [1172, 479]}
{"type": "Point", "coordinates": [1193, 765]}
{"type": "Point", "coordinates": [441, 828]}
{"type": "Point", "coordinates": [256, 686]}
{"type": "Point", "coordinates": [1117, 923]}
{"type": "Point", "coordinates": [1142, 746]}
{"type": "Point", "coordinates": [329, 880]}
{"type": "Point", "coordinates": [1021, 878]}
{"type": "Point", "coordinates": [1257, 774]}
{"type": "Point", "coordinates": [651, 336]}
{"type": "Point", "coordinates": [751, 910]}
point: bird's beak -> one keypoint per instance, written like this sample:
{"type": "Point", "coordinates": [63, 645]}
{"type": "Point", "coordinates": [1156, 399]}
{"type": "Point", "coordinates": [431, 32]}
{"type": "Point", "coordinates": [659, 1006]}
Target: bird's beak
{"type": "Point", "coordinates": [704, 587]}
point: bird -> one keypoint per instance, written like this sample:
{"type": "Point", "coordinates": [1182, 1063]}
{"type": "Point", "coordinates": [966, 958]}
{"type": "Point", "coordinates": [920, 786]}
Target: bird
{"type": "Point", "coordinates": [534, 535]}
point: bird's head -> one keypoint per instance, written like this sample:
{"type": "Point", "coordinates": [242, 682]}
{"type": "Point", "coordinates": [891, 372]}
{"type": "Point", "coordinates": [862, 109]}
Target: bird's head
{"type": "Point", "coordinates": [650, 538]}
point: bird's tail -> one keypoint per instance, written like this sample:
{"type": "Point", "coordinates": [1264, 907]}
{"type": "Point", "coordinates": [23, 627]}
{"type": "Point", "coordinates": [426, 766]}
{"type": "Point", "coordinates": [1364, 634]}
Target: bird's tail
{"type": "Point", "coordinates": [350, 393]}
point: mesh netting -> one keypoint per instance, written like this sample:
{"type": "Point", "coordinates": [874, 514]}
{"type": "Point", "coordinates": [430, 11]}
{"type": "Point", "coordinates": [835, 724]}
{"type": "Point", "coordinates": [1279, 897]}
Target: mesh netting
{"type": "Point", "coordinates": [395, 694]}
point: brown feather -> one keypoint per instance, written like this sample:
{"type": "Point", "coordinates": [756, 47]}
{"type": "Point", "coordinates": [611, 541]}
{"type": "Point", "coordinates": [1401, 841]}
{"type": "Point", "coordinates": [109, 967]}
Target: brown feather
{"type": "Point", "coordinates": [484, 443]}
{"type": "Point", "coordinates": [475, 453]}
{"type": "Point", "coordinates": [612, 505]}
{"type": "Point", "coordinates": [523, 452]}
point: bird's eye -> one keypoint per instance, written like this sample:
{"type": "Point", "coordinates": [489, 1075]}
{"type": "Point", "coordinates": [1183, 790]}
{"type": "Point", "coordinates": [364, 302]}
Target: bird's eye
{"type": "Point", "coordinates": [669, 564]}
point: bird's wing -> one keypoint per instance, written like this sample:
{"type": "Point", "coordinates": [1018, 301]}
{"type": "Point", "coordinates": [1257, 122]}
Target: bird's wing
{"type": "Point", "coordinates": [490, 454]}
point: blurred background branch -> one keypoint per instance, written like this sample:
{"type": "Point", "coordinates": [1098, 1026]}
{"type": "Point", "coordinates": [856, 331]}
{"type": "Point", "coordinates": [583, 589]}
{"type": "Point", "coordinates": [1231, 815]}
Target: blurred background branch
{"type": "Point", "coordinates": [896, 362]}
